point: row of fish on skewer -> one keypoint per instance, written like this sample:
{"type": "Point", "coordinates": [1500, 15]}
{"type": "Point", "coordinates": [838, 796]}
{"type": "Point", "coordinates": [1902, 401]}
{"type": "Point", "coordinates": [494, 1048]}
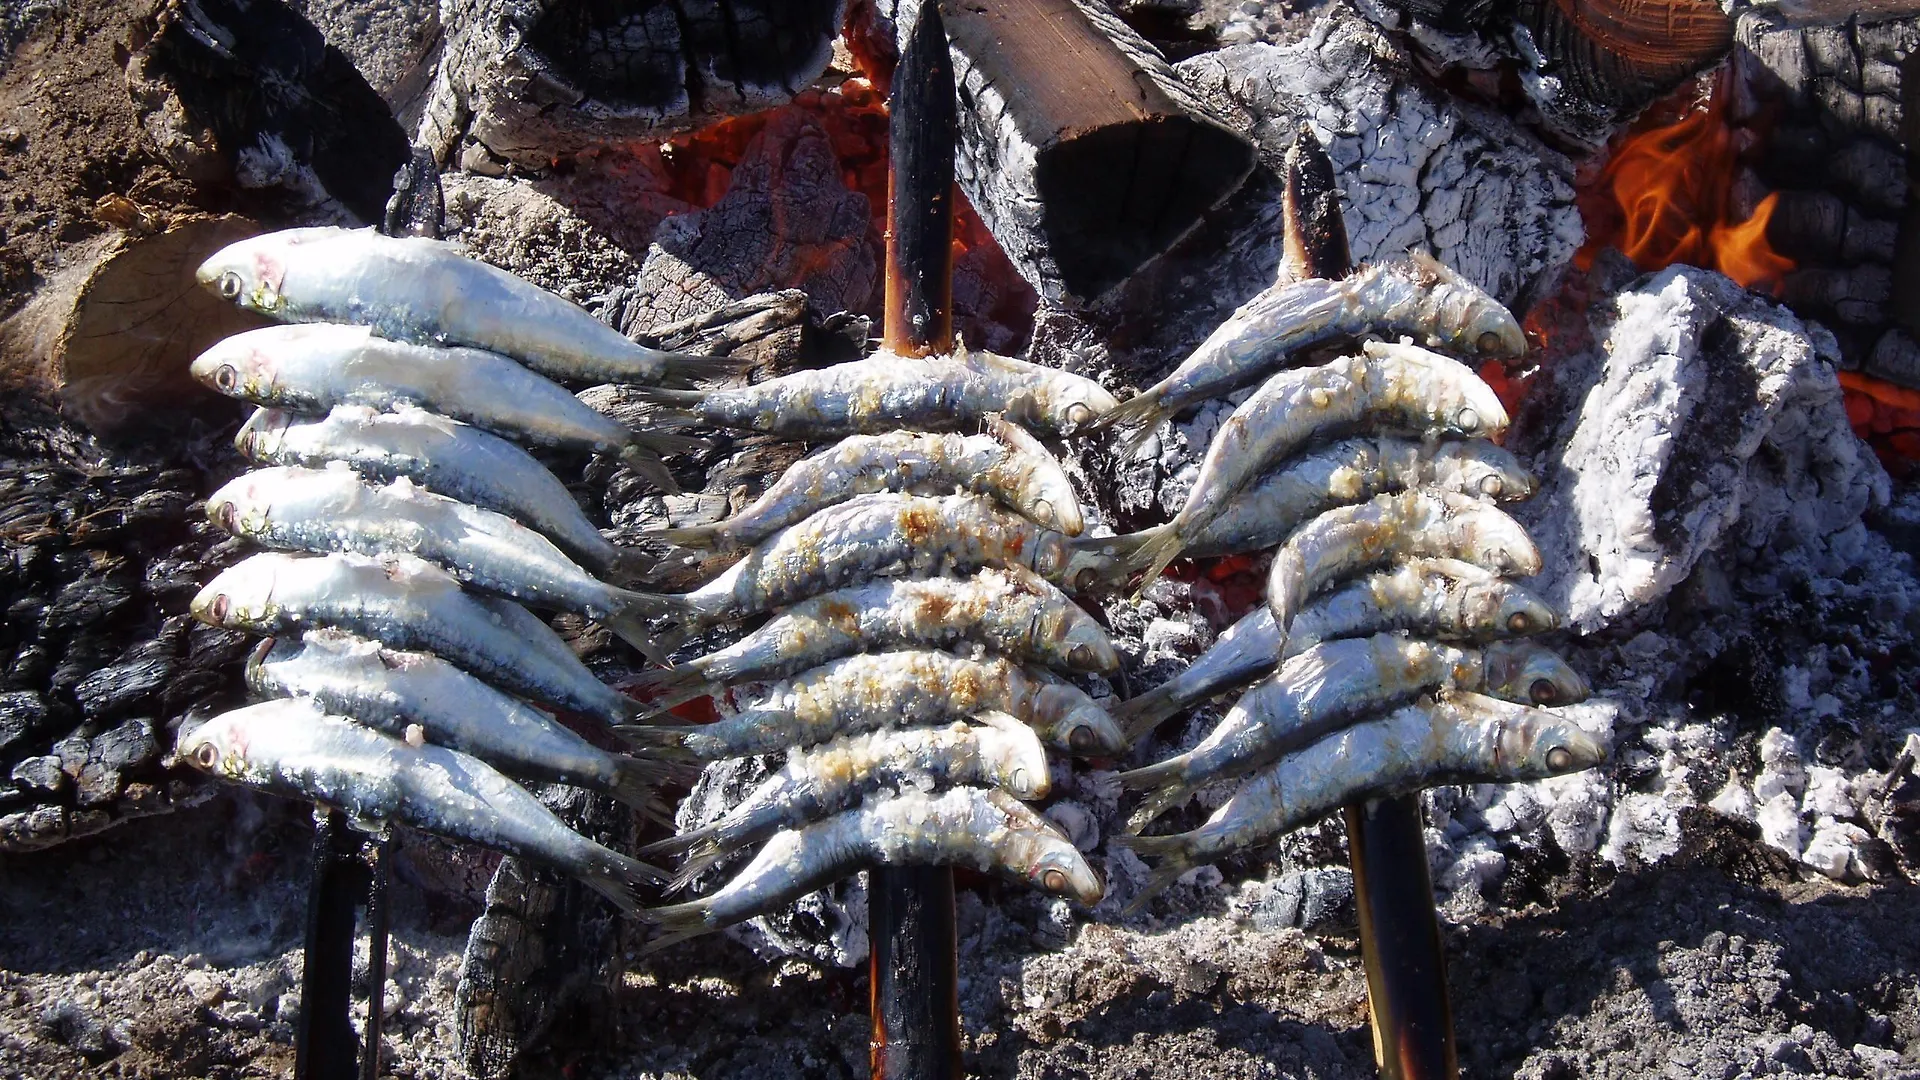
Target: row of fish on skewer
{"type": "Point", "coordinates": [405, 656]}
{"type": "Point", "coordinates": [1384, 658]}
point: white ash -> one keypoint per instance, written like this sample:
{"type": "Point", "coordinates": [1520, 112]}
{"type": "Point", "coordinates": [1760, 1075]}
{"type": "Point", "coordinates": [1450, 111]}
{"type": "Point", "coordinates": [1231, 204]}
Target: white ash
{"type": "Point", "coordinates": [1706, 417]}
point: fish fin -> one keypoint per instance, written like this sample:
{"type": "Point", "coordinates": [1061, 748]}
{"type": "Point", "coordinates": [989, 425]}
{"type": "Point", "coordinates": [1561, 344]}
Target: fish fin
{"type": "Point", "coordinates": [1158, 774]}
{"type": "Point", "coordinates": [1137, 716]}
{"type": "Point", "coordinates": [677, 923]}
{"type": "Point", "coordinates": [663, 688]}
{"type": "Point", "coordinates": [629, 620]}
{"type": "Point", "coordinates": [692, 536]}
{"type": "Point", "coordinates": [637, 781]}
{"type": "Point", "coordinates": [1154, 553]}
{"type": "Point", "coordinates": [669, 741]}
{"type": "Point", "coordinates": [617, 877]}
{"type": "Point", "coordinates": [1172, 861]}
{"type": "Point", "coordinates": [1139, 414]}
{"type": "Point", "coordinates": [677, 845]}
{"type": "Point", "coordinates": [1155, 804]}
{"type": "Point", "coordinates": [689, 370]}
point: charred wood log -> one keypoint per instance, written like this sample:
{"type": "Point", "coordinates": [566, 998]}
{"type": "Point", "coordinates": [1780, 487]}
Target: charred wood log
{"type": "Point", "coordinates": [249, 95]}
{"type": "Point", "coordinates": [532, 81]}
{"type": "Point", "coordinates": [1082, 151]}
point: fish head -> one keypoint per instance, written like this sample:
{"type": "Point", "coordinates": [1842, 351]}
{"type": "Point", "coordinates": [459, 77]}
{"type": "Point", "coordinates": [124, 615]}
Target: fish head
{"type": "Point", "coordinates": [1071, 402]}
{"type": "Point", "coordinates": [1037, 849]}
{"type": "Point", "coordinates": [241, 506]}
{"type": "Point", "coordinates": [1487, 536]}
{"type": "Point", "coordinates": [1012, 756]}
{"type": "Point", "coordinates": [1540, 744]}
{"type": "Point", "coordinates": [1088, 562]}
{"type": "Point", "coordinates": [241, 596]}
{"type": "Point", "coordinates": [1071, 636]}
{"type": "Point", "coordinates": [1503, 609]}
{"type": "Point", "coordinates": [1070, 721]}
{"type": "Point", "coordinates": [1463, 316]}
{"type": "Point", "coordinates": [1532, 674]}
{"type": "Point", "coordinates": [1477, 467]}
{"type": "Point", "coordinates": [264, 433]}
{"type": "Point", "coordinates": [1047, 497]}
{"type": "Point", "coordinates": [249, 272]}
{"type": "Point", "coordinates": [241, 367]}
{"type": "Point", "coordinates": [222, 746]}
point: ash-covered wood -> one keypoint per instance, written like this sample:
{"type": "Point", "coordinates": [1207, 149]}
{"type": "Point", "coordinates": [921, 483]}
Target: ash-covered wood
{"type": "Point", "coordinates": [99, 661]}
{"type": "Point", "coordinates": [1081, 150]}
{"type": "Point", "coordinates": [1823, 107]}
{"type": "Point", "coordinates": [533, 81]}
{"type": "Point", "coordinates": [1705, 421]}
{"type": "Point", "coordinates": [251, 96]}
{"type": "Point", "coordinates": [543, 939]}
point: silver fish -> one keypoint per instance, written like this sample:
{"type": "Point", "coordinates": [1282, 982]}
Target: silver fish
{"type": "Point", "coordinates": [444, 456]}
{"type": "Point", "coordinates": [391, 690]}
{"type": "Point", "coordinates": [1407, 525]}
{"type": "Point", "coordinates": [1443, 598]}
{"type": "Point", "coordinates": [835, 776]}
{"type": "Point", "coordinates": [292, 747]}
{"type": "Point", "coordinates": [881, 535]}
{"type": "Point", "coordinates": [1329, 686]}
{"type": "Point", "coordinates": [313, 368]}
{"type": "Point", "coordinates": [1396, 385]}
{"type": "Point", "coordinates": [1007, 465]}
{"type": "Point", "coordinates": [1013, 612]}
{"type": "Point", "coordinates": [1418, 297]}
{"type": "Point", "coordinates": [1349, 470]}
{"type": "Point", "coordinates": [891, 689]}
{"type": "Point", "coordinates": [408, 603]}
{"type": "Point", "coordinates": [1463, 738]}
{"type": "Point", "coordinates": [333, 509]}
{"type": "Point", "coordinates": [426, 291]}
{"type": "Point", "coordinates": [989, 831]}
{"type": "Point", "coordinates": [885, 392]}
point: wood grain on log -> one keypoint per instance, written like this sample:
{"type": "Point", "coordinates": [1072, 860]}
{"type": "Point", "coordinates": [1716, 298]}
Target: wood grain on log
{"type": "Point", "coordinates": [533, 81]}
{"type": "Point", "coordinates": [1082, 151]}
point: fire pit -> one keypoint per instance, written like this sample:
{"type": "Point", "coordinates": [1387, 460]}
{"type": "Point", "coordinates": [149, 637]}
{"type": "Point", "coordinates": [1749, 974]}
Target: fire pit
{"type": "Point", "coordinates": [1705, 230]}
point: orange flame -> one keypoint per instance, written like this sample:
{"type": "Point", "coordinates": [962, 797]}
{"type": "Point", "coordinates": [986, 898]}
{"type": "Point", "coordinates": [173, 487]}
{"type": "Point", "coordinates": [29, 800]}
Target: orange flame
{"type": "Point", "coordinates": [1666, 196]}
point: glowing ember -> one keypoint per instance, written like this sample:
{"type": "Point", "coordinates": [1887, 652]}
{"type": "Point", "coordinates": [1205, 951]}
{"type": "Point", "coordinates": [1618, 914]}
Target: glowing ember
{"type": "Point", "coordinates": [1666, 196]}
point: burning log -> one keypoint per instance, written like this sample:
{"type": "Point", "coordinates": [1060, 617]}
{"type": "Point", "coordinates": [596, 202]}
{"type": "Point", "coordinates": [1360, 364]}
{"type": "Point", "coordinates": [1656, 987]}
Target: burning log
{"type": "Point", "coordinates": [532, 81]}
{"type": "Point", "coordinates": [1083, 152]}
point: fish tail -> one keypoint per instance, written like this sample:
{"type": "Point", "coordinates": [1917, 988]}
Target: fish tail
{"type": "Point", "coordinates": [673, 742]}
{"type": "Point", "coordinates": [645, 461]}
{"type": "Point", "coordinates": [1158, 774]}
{"type": "Point", "coordinates": [677, 923]}
{"type": "Point", "coordinates": [631, 610]}
{"type": "Point", "coordinates": [699, 860]}
{"type": "Point", "coordinates": [663, 688]}
{"type": "Point", "coordinates": [637, 781]}
{"type": "Point", "coordinates": [1171, 860]}
{"type": "Point", "coordinates": [1139, 415]}
{"type": "Point", "coordinates": [693, 536]}
{"type": "Point", "coordinates": [689, 370]}
{"type": "Point", "coordinates": [1139, 715]}
{"type": "Point", "coordinates": [678, 845]}
{"type": "Point", "coordinates": [618, 878]}
{"type": "Point", "coordinates": [630, 564]}
{"type": "Point", "coordinates": [1156, 804]}
{"type": "Point", "coordinates": [1155, 552]}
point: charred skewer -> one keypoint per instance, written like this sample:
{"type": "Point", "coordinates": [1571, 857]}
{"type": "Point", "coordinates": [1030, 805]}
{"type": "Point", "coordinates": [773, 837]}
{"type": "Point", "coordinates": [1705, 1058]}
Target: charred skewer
{"type": "Point", "coordinates": [1399, 927]}
{"type": "Point", "coordinates": [914, 974]}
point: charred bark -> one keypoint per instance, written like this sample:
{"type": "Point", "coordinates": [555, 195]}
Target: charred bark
{"type": "Point", "coordinates": [1082, 151]}
{"type": "Point", "coordinates": [533, 81]}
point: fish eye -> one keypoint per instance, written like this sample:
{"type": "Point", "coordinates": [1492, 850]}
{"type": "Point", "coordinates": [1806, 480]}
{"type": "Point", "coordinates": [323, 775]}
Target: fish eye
{"type": "Point", "coordinates": [1466, 419]}
{"type": "Point", "coordinates": [226, 378]}
{"type": "Point", "coordinates": [1543, 692]}
{"type": "Point", "coordinates": [1559, 759]}
{"type": "Point", "coordinates": [224, 515]}
{"type": "Point", "coordinates": [1054, 881]}
{"type": "Point", "coordinates": [1080, 656]}
{"type": "Point", "coordinates": [231, 285]}
{"type": "Point", "coordinates": [1085, 579]}
{"type": "Point", "coordinates": [206, 756]}
{"type": "Point", "coordinates": [1081, 739]}
{"type": "Point", "coordinates": [1079, 414]}
{"type": "Point", "coordinates": [1043, 509]}
{"type": "Point", "coordinates": [1518, 623]}
{"type": "Point", "coordinates": [1492, 486]}
{"type": "Point", "coordinates": [1019, 781]}
{"type": "Point", "coordinates": [1490, 342]}
{"type": "Point", "coordinates": [218, 609]}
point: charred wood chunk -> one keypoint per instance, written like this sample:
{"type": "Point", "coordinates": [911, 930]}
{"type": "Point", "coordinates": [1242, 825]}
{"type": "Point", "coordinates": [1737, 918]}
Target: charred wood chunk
{"type": "Point", "coordinates": [248, 93]}
{"type": "Point", "coordinates": [542, 939]}
{"type": "Point", "coordinates": [1082, 151]}
{"type": "Point", "coordinates": [1622, 55]}
{"type": "Point", "coordinates": [547, 79]}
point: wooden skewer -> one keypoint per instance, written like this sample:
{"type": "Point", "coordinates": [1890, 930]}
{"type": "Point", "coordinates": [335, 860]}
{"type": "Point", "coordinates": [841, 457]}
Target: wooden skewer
{"type": "Point", "coordinates": [913, 963]}
{"type": "Point", "coordinates": [1399, 929]}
